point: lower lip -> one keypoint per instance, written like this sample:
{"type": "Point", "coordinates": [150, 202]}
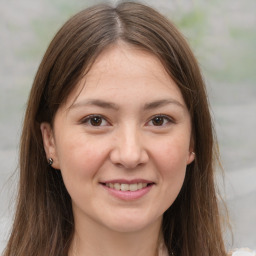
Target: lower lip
{"type": "Point", "coordinates": [128, 195]}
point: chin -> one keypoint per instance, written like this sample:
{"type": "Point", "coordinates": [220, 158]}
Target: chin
{"type": "Point", "coordinates": [126, 227]}
{"type": "Point", "coordinates": [131, 223]}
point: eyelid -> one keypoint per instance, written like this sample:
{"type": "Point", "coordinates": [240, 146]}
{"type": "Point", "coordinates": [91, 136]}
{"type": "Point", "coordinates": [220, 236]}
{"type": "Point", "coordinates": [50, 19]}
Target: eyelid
{"type": "Point", "coordinates": [85, 120]}
{"type": "Point", "coordinates": [167, 117]}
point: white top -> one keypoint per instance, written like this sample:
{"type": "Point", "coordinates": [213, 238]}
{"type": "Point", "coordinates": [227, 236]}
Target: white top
{"type": "Point", "coordinates": [244, 252]}
{"type": "Point", "coordinates": [238, 252]}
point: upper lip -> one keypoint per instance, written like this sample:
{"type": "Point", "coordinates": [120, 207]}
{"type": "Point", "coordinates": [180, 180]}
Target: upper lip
{"type": "Point", "coordinates": [125, 181]}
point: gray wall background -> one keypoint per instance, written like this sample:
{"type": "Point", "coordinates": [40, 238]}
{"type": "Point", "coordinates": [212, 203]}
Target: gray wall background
{"type": "Point", "coordinates": [222, 34]}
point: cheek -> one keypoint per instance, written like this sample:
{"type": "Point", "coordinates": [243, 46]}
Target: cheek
{"type": "Point", "coordinates": [80, 157]}
{"type": "Point", "coordinates": [171, 153]}
{"type": "Point", "coordinates": [171, 162]}
{"type": "Point", "coordinates": [80, 161]}
{"type": "Point", "coordinates": [171, 168]}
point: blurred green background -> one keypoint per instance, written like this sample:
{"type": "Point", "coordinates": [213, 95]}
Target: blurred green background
{"type": "Point", "coordinates": [222, 35]}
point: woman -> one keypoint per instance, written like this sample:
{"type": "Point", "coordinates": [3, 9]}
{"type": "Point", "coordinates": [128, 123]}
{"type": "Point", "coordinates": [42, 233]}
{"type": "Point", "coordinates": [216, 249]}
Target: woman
{"type": "Point", "coordinates": [117, 151]}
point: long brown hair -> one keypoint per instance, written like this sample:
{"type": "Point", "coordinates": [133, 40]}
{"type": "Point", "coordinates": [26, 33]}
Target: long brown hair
{"type": "Point", "coordinates": [44, 222]}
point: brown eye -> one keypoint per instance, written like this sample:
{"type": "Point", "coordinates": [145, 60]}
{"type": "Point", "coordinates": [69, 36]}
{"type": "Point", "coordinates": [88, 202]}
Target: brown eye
{"type": "Point", "coordinates": [95, 121]}
{"type": "Point", "coordinates": [158, 120]}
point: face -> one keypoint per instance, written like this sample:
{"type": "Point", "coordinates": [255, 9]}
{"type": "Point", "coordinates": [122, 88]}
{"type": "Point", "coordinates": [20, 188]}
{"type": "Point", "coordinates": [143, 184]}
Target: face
{"type": "Point", "coordinates": [122, 141]}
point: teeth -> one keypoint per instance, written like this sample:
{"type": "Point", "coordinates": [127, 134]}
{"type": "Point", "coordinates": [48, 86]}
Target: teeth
{"type": "Point", "coordinates": [140, 185]}
{"type": "Point", "coordinates": [133, 187]}
{"type": "Point", "coordinates": [126, 187]}
{"type": "Point", "coordinates": [117, 186]}
{"type": "Point", "coordinates": [144, 185]}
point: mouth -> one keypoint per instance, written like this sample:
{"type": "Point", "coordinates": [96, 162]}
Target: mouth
{"type": "Point", "coordinates": [128, 189]}
{"type": "Point", "coordinates": [126, 186]}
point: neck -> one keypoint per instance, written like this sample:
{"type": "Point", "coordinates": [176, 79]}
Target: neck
{"type": "Point", "coordinates": [96, 240]}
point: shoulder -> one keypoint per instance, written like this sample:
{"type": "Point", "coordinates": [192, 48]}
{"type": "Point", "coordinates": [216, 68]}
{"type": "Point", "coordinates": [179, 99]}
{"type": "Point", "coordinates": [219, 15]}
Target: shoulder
{"type": "Point", "coordinates": [242, 252]}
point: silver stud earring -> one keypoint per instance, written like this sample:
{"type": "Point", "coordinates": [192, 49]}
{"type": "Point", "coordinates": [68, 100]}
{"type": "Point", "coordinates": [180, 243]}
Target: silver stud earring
{"type": "Point", "coordinates": [50, 161]}
{"type": "Point", "coordinates": [193, 153]}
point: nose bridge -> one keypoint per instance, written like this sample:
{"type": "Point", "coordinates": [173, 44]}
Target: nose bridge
{"type": "Point", "coordinates": [130, 141]}
{"type": "Point", "coordinates": [129, 150]}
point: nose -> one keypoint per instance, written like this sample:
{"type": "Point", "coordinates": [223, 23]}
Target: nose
{"type": "Point", "coordinates": [128, 149]}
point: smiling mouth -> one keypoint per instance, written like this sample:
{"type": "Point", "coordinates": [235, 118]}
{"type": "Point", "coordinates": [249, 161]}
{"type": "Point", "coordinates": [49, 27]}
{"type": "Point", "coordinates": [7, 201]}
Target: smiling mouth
{"type": "Point", "coordinates": [127, 187]}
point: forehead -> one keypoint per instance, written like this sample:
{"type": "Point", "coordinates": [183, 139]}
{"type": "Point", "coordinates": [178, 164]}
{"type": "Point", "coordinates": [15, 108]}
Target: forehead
{"type": "Point", "coordinates": [123, 70]}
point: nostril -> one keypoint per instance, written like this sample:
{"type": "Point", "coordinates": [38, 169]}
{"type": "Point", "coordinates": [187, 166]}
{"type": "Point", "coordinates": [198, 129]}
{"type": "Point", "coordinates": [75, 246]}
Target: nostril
{"type": "Point", "coordinates": [129, 156]}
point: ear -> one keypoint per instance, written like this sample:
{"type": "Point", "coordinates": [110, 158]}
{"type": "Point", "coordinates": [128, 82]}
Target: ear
{"type": "Point", "coordinates": [191, 153]}
{"type": "Point", "coordinates": [49, 143]}
{"type": "Point", "coordinates": [191, 157]}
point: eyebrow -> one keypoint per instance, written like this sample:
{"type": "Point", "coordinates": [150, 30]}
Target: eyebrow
{"type": "Point", "coordinates": [95, 102]}
{"type": "Point", "coordinates": [110, 105]}
{"type": "Point", "coordinates": [161, 103]}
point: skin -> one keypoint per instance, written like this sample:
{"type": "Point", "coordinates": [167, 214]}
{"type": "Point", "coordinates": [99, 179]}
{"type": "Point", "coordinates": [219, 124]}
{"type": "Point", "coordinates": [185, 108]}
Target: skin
{"type": "Point", "coordinates": [144, 132]}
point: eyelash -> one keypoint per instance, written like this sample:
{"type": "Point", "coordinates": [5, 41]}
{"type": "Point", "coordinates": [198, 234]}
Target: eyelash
{"type": "Point", "coordinates": [88, 119]}
{"type": "Point", "coordinates": [166, 119]}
